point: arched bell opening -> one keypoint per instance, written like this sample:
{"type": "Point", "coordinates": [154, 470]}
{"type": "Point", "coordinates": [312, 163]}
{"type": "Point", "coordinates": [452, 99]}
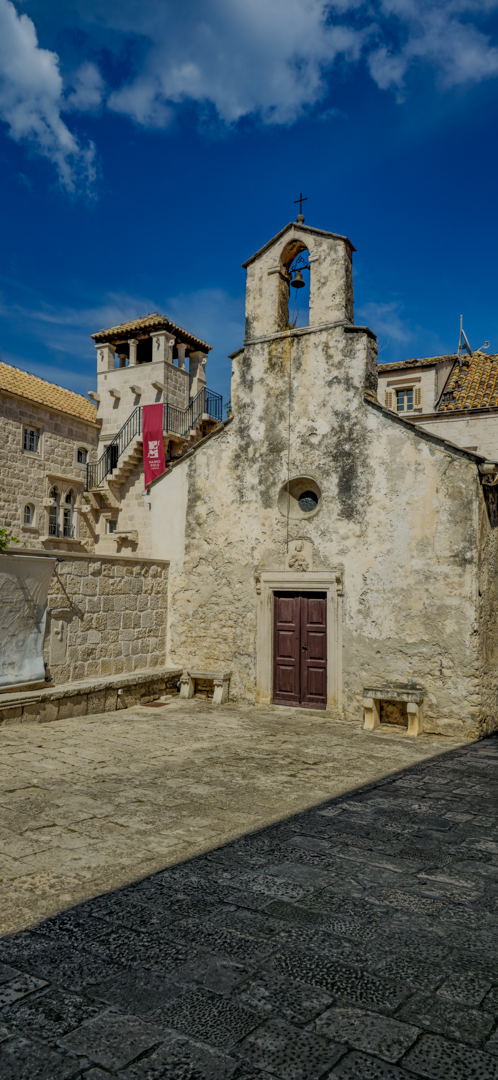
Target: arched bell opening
{"type": "Point", "coordinates": [294, 293]}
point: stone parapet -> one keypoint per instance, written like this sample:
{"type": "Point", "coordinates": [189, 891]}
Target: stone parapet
{"type": "Point", "coordinates": [87, 697]}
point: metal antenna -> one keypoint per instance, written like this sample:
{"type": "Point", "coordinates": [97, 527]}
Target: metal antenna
{"type": "Point", "coordinates": [463, 343]}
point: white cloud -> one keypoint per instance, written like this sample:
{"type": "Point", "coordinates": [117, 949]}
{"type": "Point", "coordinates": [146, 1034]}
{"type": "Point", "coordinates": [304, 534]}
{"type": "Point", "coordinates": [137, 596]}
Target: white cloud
{"type": "Point", "coordinates": [31, 98]}
{"type": "Point", "coordinates": [385, 321]}
{"type": "Point", "coordinates": [439, 34]}
{"type": "Point", "coordinates": [270, 59]}
{"type": "Point", "coordinates": [267, 57]}
{"type": "Point", "coordinates": [87, 89]}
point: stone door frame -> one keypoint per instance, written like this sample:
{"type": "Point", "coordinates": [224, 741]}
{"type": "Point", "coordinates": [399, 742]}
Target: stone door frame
{"type": "Point", "coordinates": [269, 581]}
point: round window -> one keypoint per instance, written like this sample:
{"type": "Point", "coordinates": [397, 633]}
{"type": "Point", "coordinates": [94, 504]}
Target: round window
{"type": "Point", "coordinates": [300, 497]}
{"type": "Point", "coordinates": [308, 501]}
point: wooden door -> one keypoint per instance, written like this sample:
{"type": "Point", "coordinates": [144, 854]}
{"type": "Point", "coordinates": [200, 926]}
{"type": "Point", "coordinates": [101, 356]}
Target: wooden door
{"type": "Point", "coordinates": [286, 649]}
{"type": "Point", "coordinates": [313, 652]}
{"type": "Point", "coordinates": [300, 650]}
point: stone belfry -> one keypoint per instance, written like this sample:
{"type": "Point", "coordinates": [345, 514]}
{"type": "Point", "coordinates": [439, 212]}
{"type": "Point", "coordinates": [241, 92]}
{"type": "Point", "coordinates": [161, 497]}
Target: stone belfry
{"type": "Point", "coordinates": [302, 388]}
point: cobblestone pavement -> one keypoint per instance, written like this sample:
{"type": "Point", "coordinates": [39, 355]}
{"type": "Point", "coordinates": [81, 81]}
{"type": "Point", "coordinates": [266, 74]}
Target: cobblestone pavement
{"type": "Point", "coordinates": [355, 938]}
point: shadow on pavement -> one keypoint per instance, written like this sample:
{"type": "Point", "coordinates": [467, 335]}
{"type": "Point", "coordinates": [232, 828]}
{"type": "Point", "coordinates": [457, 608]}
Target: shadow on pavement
{"type": "Point", "coordinates": [356, 939]}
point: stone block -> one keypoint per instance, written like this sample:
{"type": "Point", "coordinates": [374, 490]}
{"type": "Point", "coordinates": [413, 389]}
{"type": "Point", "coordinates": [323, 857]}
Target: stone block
{"type": "Point", "coordinates": [48, 711]}
{"type": "Point", "coordinates": [96, 702]}
{"type": "Point", "coordinates": [11, 715]}
{"type": "Point", "coordinates": [89, 587]}
{"type": "Point", "coordinates": [95, 568]}
{"type": "Point", "coordinates": [105, 667]}
{"type": "Point", "coordinates": [111, 699]}
{"type": "Point", "coordinates": [72, 706]}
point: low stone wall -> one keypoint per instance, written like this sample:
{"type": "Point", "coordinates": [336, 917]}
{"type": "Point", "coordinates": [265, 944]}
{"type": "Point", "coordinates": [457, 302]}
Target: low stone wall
{"type": "Point", "coordinates": [106, 616]}
{"type": "Point", "coordinates": [87, 698]}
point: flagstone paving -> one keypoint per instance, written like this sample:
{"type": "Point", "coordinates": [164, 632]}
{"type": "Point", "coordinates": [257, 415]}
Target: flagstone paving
{"type": "Point", "coordinates": [193, 893]}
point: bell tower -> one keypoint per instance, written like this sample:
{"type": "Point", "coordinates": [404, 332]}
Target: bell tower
{"type": "Point", "coordinates": [268, 279]}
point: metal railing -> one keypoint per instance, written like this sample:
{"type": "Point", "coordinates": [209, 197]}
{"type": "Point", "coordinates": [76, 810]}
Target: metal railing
{"type": "Point", "coordinates": [177, 421]}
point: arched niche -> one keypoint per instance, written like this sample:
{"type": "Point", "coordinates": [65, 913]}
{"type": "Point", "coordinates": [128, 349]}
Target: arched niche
{"type": "Point", "coordinates": [292, 250]}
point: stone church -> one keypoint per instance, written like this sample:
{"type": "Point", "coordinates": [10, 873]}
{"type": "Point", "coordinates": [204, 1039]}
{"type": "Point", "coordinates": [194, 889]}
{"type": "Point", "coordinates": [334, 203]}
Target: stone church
{"type": "Point", "coordinates": [324, 551]}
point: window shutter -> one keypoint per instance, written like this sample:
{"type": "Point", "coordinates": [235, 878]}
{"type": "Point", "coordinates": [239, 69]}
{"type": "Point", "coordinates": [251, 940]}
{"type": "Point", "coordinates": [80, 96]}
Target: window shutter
{"type": "Point", "coordinates": [389, 400]}
{"type": "Point", "coordinates": [417, 397]}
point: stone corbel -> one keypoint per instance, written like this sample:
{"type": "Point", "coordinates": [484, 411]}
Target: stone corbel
{"type": "Point", "coordinates": [489, 472]}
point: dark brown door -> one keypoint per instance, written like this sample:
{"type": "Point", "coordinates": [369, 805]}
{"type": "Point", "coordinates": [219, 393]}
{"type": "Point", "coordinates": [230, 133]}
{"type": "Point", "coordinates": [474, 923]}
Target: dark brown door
{"type": "Point", "coordinates": [300, 649]}
{"type": "Point", "coordinates": [286, 649]}
{"type": "Point", "coordinates": [313, 652]}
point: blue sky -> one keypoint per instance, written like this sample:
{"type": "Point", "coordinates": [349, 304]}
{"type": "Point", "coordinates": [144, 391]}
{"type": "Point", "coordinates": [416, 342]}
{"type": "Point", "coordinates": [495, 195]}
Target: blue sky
{"type": "Point", "coordinates": [148, 147]}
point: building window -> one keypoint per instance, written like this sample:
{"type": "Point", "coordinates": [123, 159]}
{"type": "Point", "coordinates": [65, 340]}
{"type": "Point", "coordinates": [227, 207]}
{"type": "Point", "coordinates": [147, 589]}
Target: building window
{"type": "Point", "coordinates": [29, 514]}
{"type": "Point", "coordinates": [404, 400]}
{"type": "Point", "coordinates": [408, 399]}
{"type": "Point", "coordinates": [82, 455]}
{"type": "Point", "coordinates": [68, 527]}
{"type": "Point", "coordinates": [53, 513]}
{"type": "Point", "coordinates": [111, 525]}
{"type": "Point", "coordinates": [31, 439]}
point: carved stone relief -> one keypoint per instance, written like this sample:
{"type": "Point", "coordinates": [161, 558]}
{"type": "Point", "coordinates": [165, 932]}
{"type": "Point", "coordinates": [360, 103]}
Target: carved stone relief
{"type": "Point", "coordinates": [300, 555]}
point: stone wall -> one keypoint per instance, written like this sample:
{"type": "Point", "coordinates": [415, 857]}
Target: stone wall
{"type": "Point", "coordinates": [27, 477]}
{"type": "Point", "coordinates": [106, 616]}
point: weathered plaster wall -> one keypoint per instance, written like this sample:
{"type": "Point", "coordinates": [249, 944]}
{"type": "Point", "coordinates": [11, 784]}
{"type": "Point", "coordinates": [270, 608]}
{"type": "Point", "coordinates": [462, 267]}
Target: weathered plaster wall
{"type": "Point", "coordinates": [398, 520]}
{"type": "Point", "coordinates": [27, 477]}
{"type": "Point", "coordinates": [106, 616]}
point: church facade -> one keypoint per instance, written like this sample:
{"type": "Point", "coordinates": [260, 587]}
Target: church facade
{"type": "Point", "coordinates": [324, 551]}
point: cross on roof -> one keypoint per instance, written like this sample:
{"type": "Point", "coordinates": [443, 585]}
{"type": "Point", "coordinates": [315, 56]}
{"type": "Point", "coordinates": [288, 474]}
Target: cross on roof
{"type": "Point", "coordinates": [300, 200]}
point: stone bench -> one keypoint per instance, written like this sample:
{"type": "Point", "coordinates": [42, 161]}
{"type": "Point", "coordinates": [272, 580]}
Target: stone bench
{"type": "Point", "coordinates": [220, 681]}
{"type": "Point", "coordinates": [413, 696]}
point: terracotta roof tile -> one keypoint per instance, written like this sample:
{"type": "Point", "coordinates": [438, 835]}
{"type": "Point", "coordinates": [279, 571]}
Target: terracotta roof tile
{"type": "Point", "coordinates": [473, 386]}
{"type": "Point", "coordinates": [426, 361]}
{"type": "Point", "coordinates": [150, 323]}
{"type": "Point", "coordinates": [23, 385]}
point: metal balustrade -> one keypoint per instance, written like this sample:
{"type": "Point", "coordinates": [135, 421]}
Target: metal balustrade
{"type": "Point", "coordinates": [175, 420]}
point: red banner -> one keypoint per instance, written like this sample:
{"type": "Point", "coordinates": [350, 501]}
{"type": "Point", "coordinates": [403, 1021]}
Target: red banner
{"type": "Point", "coordinates": [154, 463]}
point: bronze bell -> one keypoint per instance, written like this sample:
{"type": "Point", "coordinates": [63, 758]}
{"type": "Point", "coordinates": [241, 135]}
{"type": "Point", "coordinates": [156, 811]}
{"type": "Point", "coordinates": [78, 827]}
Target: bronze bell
{"type": "Point", "coordinates": [299, 281]}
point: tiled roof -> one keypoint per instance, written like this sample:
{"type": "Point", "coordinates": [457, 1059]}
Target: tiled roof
{"type": "Point", "coordinates": [426, 361]}
{"type": "Point", "coordinates": [31, 387]}
{"type": "Point", "coordinates": [149, 323]}
{"type": "Point", "coordinates": [473, 386]}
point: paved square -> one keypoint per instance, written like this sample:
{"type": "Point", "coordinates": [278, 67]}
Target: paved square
{"type": "Point", "coordinates": [192, 893]}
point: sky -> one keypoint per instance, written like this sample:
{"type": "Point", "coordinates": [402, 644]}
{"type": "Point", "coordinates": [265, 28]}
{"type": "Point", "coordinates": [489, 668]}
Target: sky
{"type": "Point", "coordinates": [149, 147]}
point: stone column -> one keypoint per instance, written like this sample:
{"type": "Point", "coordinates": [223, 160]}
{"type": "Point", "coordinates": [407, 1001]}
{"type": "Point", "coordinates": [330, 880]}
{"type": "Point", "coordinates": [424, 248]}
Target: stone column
{"type": "Point", "coordinates": [181, 356]}
{"type": "Point", "coordinates": [133, 351]}
{"type": "Point", "coordinates": [162, 347]}
{"type": "Point", "coordinates": [197, 371]}
{"type": "Point", "coordinates": [105, 357]}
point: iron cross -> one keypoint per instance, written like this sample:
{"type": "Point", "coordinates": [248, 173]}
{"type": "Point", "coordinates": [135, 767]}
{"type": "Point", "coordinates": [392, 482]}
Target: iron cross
{"type": "Point", "coordinates": [300, 200]}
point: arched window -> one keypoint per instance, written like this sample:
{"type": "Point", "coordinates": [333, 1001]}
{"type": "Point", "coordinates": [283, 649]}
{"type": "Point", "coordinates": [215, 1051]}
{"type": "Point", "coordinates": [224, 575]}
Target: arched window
{"type": "Point", "coordinates": [82, 455]}
{"type": "Point", "coordinates": [68, 528]}
{"type": "Point", "coordinates": [53, 512]}
{"type": "Point", "coordinates": [29, 514]}
{"type": "Point", "coordinates": [294, 286]}
{"type": "Point", "coordinates": [299, 290]}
